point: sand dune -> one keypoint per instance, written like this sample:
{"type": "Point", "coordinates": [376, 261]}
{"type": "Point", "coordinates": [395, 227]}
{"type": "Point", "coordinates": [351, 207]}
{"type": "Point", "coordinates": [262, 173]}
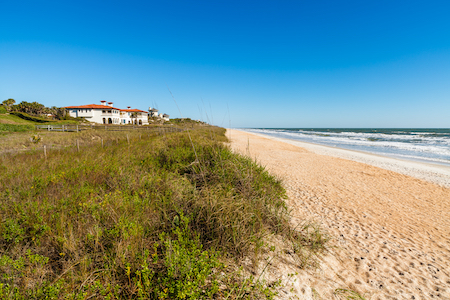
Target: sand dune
{"type": "Point", "coordinates": [391, 231]}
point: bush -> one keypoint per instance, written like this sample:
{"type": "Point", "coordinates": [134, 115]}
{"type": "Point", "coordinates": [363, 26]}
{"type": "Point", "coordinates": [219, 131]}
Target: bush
{"type": "Point", "coordinates": [184, 270]}
{"type": "Point", "coordinates": [3, 110]}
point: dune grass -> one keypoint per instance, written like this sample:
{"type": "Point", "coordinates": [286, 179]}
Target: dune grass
{"type": "Point", "coordinates": [57, 140]}
{"type": "Point", "coordinates": [15, 128]}
{"type": "Point", "coordinates": [143, 217]}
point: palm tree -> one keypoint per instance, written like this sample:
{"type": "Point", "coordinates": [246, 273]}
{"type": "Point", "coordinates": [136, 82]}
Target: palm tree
{"type": "Point", "coordinates": [8, 103]}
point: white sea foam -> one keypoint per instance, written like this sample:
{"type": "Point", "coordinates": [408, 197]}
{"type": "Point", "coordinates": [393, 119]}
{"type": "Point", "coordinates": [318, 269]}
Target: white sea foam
{"type": "Point", "coordinates": [428, 146]}
{"type": "Point", "coordinates": [413, 165]}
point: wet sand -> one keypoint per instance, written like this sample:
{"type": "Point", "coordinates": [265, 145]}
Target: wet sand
{"type": "Point", "coordinates": [390, 231]}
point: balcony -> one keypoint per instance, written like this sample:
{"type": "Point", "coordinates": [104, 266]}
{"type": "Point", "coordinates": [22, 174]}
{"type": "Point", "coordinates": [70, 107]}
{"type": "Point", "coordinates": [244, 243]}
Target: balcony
{"type": "Point", "coordinates": [85, 114]}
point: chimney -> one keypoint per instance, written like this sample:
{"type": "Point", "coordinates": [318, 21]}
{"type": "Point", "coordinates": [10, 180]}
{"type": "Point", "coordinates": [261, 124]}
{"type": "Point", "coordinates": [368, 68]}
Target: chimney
{"type": "Point", "coordinates": [128, 107]}
{"type": "Point", "coordinates": [110, 104]}
{"type": "Point", "coordinates": [103, 102]}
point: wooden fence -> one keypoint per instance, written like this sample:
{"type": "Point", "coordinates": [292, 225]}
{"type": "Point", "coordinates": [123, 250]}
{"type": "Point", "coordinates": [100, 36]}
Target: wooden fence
{"type": "Point", "coordinates": [78, 128]}
{"type": "Point", "coordinates": [143, 131]}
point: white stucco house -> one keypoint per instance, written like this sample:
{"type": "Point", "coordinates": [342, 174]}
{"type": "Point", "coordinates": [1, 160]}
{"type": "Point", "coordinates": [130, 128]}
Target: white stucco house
{"type": "Point", "coordinates": [106, 113]}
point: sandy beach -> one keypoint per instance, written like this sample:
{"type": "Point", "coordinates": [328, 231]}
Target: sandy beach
{"type": "Point", "coordinates": [389, 220]}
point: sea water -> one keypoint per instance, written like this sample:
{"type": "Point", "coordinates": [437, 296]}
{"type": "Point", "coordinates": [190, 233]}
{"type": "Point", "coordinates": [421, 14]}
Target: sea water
{"type": "Point", "coordinates": [426, 145]}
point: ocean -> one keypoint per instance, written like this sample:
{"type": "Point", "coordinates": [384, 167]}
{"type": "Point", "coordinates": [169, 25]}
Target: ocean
{"type": "Point", "coordinates": [425, 145]}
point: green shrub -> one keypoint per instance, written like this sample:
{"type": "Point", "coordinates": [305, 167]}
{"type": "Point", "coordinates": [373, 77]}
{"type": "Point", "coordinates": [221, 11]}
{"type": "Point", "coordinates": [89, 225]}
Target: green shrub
{"type": "Point", "coordinates": [183, 269]}
{"type": "Point", "coordinates": [12, 232]}
{"type": "Point", "coordinates": [3, 110]}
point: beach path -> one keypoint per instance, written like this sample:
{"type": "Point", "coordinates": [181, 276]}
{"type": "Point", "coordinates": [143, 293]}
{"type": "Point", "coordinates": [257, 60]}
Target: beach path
{"type": "Point", "coordinates": [390, 232]}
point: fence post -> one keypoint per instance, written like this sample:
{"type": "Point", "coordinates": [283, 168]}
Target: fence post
{"type": "Point", "coordinates": [128, 140]}
{"type": "Point", "coordinates": [45, 152]}
{"type": "Point", "coordinates": [78, 146]}
{"type": "Point", "coordinates": [77, 127]}
{"type": "Point", "coordinates": [102, 142]}
{"type": "Point", "coordinates": [63, 128]}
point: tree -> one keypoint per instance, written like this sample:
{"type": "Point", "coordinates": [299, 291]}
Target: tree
{"type": "Point", "coordinates": [9, 103]}
{"type": "Point", "coordinates": [60, 113]}
{"type": "Point", "coordinates": [34, 108]}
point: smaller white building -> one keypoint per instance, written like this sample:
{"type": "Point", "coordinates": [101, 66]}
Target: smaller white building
{"type": "Point", "coordinates": [133, 116]}
{"type": "Point", "coordinates": [153, 112]}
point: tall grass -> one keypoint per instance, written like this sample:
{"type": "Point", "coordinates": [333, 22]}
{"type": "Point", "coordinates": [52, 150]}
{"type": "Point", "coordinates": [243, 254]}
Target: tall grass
{"type": "Point", "coordinates": [158, 217]}
{"type": "Point", "coordinates": [15, 128]}
{"type": "Point", "coordinates": [54, 139]}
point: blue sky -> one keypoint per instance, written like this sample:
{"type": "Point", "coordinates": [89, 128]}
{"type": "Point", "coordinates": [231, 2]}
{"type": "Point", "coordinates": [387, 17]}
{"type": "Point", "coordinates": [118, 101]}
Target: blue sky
{"type": "Point", "coordinates": [238, 63]}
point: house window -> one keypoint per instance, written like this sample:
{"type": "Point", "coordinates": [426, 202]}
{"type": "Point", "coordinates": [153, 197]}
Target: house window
{"type": "Point", "coordinates": [103, 111]}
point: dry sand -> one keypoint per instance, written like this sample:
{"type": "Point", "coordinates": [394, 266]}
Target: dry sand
{"type": "Point", "coordinates": [390, 231]}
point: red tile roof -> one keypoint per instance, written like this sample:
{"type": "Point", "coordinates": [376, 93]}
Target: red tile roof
{"type": "Point", "coordinates": [99, 106]}
{"type": "Point", "coordinates": [94, 106]}
{"type": "Point", "coordinates": [134, 110]}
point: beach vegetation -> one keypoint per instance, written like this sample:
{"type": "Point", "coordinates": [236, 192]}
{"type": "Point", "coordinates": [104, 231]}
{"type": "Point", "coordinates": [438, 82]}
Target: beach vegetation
{"type": "Point", "coordinates": [347, 294]}
{"type": "Point", "coordinates": [34, 111]}
{"type": "Point", "coordinates": [140, 216]}
{"type": "Point", "coordinates": [15, 128]}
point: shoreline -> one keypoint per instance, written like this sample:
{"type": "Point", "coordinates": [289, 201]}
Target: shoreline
{"type": "Point", "coordinates": [436, 173]}
{"type": "Point", "coordinates": [389, 232]}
